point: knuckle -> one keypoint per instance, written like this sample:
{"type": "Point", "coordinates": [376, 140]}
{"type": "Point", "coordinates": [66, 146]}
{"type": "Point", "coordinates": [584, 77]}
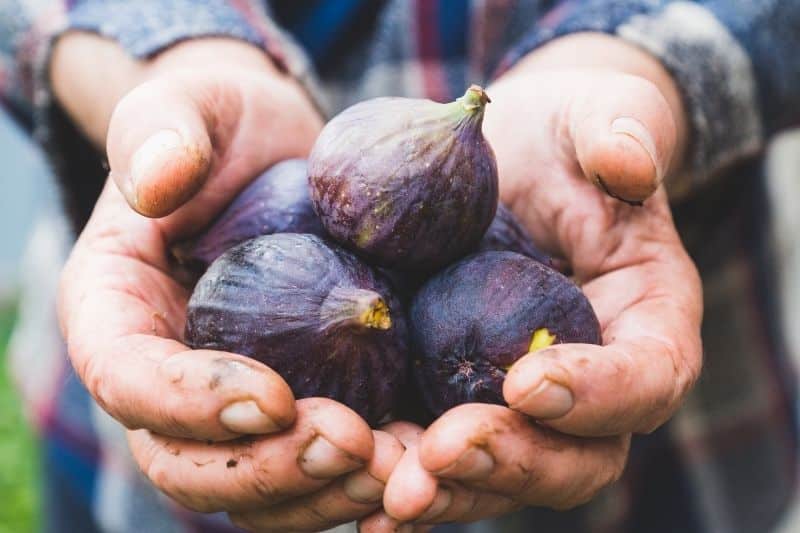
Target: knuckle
{"type": "Point", "coordinates": [263, 484]}
{"type": "Point", "coordinates": [161, 473]}
{"type": "Point", "coordinates": [241, 521]}
{"type": "Point", "coordinates": [171, 416]}
{"type": "Point", "coordinates": [94, 374]}
{"type": "Point", "coordinates": [317, 518]}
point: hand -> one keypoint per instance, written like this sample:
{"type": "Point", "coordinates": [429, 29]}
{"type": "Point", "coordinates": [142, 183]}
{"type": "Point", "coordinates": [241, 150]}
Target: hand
{"type": "Point", "coordinates": [563, 136]}
{"type": "Point", "coordinates": [201, 121]}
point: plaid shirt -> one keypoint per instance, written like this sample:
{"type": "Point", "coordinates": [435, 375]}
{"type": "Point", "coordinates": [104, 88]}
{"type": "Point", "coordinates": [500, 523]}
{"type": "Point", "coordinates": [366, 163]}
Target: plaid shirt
{"type": "Point", "coordinates": [727, 461]}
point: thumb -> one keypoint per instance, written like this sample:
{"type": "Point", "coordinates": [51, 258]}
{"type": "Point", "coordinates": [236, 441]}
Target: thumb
{"type": "Point", "coordinates": [624, 136]}
{"type": "Point", "coordinates": [158, 146]}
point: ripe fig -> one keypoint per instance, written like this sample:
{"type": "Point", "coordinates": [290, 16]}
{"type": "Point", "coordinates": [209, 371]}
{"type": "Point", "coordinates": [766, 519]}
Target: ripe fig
{"type": "Point", "coordinates": [473, 320]}
{"type": "Point", "coordinates": [311, 311]}
{"type": "Point", "coordinates": [505, 233]}
{"type": "Point", "coordinates": [408, 183]}
{"type": "Point", "coordinates": [277, 201]}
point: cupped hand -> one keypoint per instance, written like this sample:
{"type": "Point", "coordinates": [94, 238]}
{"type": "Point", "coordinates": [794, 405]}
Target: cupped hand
{"type": "Point", "coordinates": [564, 139]}
{"type": "Point", "coordinates": [214, 430]}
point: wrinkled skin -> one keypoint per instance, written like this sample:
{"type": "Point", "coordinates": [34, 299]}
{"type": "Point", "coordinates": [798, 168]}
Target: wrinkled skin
{"type": "Point", "coordinates": [559, 446]}
{"type": "Point", "coordinates": [214, 431]}
{"type": "Point", "coordinates": [268, 297]}
{"type": "Point", "coordinates": [121, 308]}
{"type": "Point", "coordinates": [473, 320]}
{"type": "Point", "coordinates": [275, 202]}
{"type": "Point", "coordinates": [410, 184]}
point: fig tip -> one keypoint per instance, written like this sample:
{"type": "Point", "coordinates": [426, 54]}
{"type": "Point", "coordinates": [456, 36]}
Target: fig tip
{"type": "Point", "coordinates": [475, 98]}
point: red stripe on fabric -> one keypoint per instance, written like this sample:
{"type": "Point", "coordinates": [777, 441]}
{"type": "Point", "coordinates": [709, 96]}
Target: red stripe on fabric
{"type": "Point", "coordinates": [428, 51]}
{"type": "Point", "coordinates": [778, 397]}
{"type": "Point", "coordinates": [489, 21]}
{"type": "Point", "coordinates": [555, 16]}
{"type": "Point", "coordinates": [3, 77]}
{"type": "Point", "coordinates": [721, 439]}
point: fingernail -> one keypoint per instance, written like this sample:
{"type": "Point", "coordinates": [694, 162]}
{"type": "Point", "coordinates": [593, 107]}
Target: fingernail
{"type": "Point", "coordinates": [440, 504]}
{"type": "Point", "coordinates": [548, 400]}
{"type": "Point", "coordinates": [323, 460]}
{"type": "Point", "coordinates": [152, 152]}
{"type": "Point", "coordinates": [246, 417]}
{"type": "Point", "coordinates": [638, 132]}
{"type": "Point", "coordinates": [474, 463]}
{"type": "Point", "coordinates": [361, 487]}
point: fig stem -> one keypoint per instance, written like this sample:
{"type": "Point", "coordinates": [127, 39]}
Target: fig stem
{"type": "Point", "coordinates": [541, 339]}
{"type": "Point", "coordinates": [475, 99]}
{"type": "Point", "coordinates": [355, 307]}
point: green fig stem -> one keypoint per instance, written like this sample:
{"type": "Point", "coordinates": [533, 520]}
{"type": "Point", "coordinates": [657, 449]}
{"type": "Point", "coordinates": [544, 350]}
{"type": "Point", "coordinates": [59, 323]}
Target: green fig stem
{"type": "Point", "coordinates": [348, 306]}
{"type": "Point", "coordinates": [475, 99]}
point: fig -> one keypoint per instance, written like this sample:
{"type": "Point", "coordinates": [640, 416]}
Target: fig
{"type": "Point", "coordinates": [277, 201]}
{"type": "Point", "coordinates": [473, 320]}
{"type": "Point", "coordinates": [311, 311]}
{"type": "Point", "coordinates": [505, 233]}
{"type": "Point", "coordinates": [408, 183]}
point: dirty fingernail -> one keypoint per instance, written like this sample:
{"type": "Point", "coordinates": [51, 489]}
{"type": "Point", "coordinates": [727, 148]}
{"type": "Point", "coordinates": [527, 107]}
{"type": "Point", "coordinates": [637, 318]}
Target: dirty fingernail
{"type": "Point", "coordinates": [323, 460]}
{"type": "Point", "coordinates": [440, 504]}
{"type": "Point", "coordinates": [638, 132]}
{"type": "Point", "coordinates": [152, 152]}
{"type": "Point", "coordinates": [361, 487]}
{"type": "Point", "coordinates": [548, 400]}
{"type": "Point", "coordinates": [474, 463]}
{"type": "Point", "coordinates": [247, 418]}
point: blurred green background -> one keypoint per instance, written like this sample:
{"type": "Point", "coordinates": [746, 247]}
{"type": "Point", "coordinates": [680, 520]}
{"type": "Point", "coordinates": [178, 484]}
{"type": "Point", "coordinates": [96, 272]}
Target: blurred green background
{"type": "Point", "coordinates": [27, 191]}
{"type": "Point", "coordinates": [18, 469]}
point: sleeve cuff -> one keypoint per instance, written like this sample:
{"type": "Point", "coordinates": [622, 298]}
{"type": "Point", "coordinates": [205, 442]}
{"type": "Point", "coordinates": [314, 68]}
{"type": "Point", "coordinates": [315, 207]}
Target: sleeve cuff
{"type": "Point", "coordinates": [710, 67]}
{"type": "Point", "coordinates": [159, 24]}
{"type": "Point", "coordinates": [145, 27]}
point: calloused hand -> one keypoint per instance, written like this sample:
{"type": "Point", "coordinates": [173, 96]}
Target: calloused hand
{"type": "Point", "coordinates": [180, 146]}
{"type": "Point", "coordinates": [563, 139]}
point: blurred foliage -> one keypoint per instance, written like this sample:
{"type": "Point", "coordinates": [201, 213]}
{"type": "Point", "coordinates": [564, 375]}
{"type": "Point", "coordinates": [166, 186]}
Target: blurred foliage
{"type": "Point", "coordinates": [19, 493]}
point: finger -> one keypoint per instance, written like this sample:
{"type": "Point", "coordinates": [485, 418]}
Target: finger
{"type": "Point", "coordinates": [413, 495]}
{"type": "Point", "coordinates": [380, 522]}
{"type": "Point", "coordinates": [467, 505]}
{"type": "Point", "coordinates": [495, 449]}
{"type": "Point", "coordinates": [650, 313]}
{"type": "Point", "coordinates": [348, 499]}
{"type": "Point", "coordinates": [411, 490]}
{"type": "Point", "coordinates": [158, 144]}
{"type": "Point", "coordinates": [328, 440]}
{"type": "Point", "coordinates": [121, 318]}
{"type": "Point", "coordinates": [624, 135]}
{"type": "Point", "coordinates": [181, 134]}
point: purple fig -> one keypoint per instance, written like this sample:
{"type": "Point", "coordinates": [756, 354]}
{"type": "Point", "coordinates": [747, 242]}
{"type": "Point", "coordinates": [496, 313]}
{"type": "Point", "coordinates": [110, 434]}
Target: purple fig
{"type": "Point", "coordinates": [506, 234]}
{"type": "Point", "coordinates": [473, 320]}
{"type": "Point", "coordinates": [408, 183]}
{"type": "Point", "coordinates": [277, 201]}
{"type": "Point", "coordinates": [311, 311]}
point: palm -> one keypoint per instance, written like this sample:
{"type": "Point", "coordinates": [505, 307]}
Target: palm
{"type": "Point", "coordinates": [550, 133]}
{"type": "Point", "coordinates": [122, 309]}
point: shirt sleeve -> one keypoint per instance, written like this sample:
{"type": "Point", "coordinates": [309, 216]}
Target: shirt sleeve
{"type": "Point", "coordinates": [734, 61]}
{"type": "Point", "coordinates": [143, 28]}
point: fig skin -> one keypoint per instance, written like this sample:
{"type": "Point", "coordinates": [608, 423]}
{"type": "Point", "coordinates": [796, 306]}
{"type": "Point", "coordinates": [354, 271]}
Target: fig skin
{"type": "Point", "coordinates": [311, 311]}
{"type": "Point", "coordinates": [278, 201]}
{"type": "Point", "coordinates": [474, 319]}
{"type": "Point", "coordinates": [505, 233]}
{"type": "Point", "coordinates": [409, 184]}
